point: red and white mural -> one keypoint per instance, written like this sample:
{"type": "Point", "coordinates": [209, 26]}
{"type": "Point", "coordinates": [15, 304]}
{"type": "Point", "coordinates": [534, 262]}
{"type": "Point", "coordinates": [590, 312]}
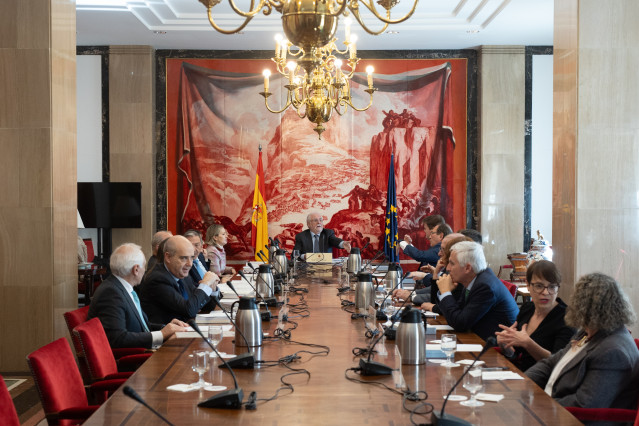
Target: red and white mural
{"type": "Point", "coordinates": [216, 120]}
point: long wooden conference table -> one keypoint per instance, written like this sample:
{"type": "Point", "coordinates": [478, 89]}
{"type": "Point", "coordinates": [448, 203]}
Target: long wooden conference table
{"type": "Point", "coordinates": [327, 397]}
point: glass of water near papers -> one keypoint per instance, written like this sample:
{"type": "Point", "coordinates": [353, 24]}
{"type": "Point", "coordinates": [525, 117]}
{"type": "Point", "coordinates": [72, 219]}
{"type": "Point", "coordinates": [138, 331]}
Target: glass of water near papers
{"type": "Point", "coordinates": [473, 383]}
{"type": "Point", "coordinates": [215, 333]}
{"type": "Point", "coordinates": [201, 364]}
{"type": "Point", "coordinates": [448, 347]}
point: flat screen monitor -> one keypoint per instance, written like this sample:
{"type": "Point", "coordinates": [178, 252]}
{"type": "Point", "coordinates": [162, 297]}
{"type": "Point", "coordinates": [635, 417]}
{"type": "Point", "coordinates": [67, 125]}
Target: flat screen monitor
{"type": "Point", "coordinates": [110, 204]}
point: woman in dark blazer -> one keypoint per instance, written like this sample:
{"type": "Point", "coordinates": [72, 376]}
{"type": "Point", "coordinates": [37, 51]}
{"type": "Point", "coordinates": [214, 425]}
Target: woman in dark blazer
{"type": "Point", "coordinates": [597, 369]}
{"type": "Point", "coordinates": [540, 329]}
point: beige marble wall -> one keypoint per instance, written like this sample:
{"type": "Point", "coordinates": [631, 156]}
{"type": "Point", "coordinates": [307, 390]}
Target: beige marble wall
{"type": "Point", "coordinates": [606, 156]}
{"type": "Point", "coordinates": [502, 84]}
{"type": "Point", "coordinates": [131, 133]}
{"type": "Point", "coordinates": [38, 269]}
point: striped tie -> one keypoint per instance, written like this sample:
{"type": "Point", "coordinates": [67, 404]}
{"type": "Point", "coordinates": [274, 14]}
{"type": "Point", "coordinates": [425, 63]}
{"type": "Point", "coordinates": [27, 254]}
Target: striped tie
{"type": "Point", "coordinates": [183, 292]}
{"type": "Point", "coordinates": [315, 243]}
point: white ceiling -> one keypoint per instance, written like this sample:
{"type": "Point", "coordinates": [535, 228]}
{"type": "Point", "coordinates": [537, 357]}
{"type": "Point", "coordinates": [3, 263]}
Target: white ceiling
{"type": "Point", "coordinates": [436, 24]}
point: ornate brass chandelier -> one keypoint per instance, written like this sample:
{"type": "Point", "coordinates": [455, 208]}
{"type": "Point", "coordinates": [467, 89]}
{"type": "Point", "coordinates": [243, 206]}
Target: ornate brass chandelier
{"type": "Point", "coordinates": [316, 83]}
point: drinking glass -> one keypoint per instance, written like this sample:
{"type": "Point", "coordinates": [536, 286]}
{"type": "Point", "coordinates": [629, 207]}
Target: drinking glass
{"type": "Point", "coordinates": [473, 384]}
{"type": "Point", "coordinates": [200, 365]}
{"type": "Point", "coordinates": [448, 347]}
{"type": "Point", "coordinates": [447, 383]}
{"type": "Point", "coordinates": [215, 335]}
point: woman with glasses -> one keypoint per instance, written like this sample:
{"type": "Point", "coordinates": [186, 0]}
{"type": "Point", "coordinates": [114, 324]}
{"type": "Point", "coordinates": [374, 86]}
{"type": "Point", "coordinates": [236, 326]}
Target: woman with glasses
{"type": "Point", "coordinates": [598, 369]}
{"type": "Point", "coordinates": [539, 330]}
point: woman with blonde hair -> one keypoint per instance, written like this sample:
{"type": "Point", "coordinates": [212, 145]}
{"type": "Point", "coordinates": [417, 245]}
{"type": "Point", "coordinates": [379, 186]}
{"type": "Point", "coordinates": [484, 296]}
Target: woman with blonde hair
{"type": "Point", "coordinates": [597, 369]}
{"type": "Point", "coordinates": [216, 238]}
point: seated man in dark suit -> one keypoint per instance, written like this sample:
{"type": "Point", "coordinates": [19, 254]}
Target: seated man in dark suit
{"type": "Point", "coordinates": [168, 292]}
{"type": "Point", "coordinates": [485, 303]}
{"type": "Point", "coordinates": [317, 239]}
{"type": "Point", "coordinates": [430, 256]}
{"type": "Point", "coordinates": [117, 305]}
{"type": "Point", "coordinates": [200, 264]}
{"type": "Point", "coordinates": [157, 239]}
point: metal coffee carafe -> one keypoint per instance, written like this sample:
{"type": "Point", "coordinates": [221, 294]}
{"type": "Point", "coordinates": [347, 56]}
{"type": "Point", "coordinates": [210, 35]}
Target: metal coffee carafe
{"type": "Point", "coordinates": [393, 276]}
{"type": "Point", "coordinates": [271, 252]}
{"type": "Point", "coordinates": [279, 262]}
{"type": "Point", "coordinates": [411, 337]}
{"type": "Point", "coordinates": [247, 322]}
{"type": "Point", "coordinates": [265, 283]}
{"type": "Point", "coordinates": [354, 262]}
{"type": "Point", "coordinates": [364, 291]}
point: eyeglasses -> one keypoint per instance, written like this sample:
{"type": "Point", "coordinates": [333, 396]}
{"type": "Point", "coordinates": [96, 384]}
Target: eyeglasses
{"type": "Point", "coordinates": [539, 288]}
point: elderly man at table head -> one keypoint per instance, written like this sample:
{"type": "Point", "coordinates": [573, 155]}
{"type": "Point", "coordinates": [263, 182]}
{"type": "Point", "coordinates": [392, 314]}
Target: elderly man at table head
{"type": "Point", "coordinates": [117, 305]}
{"type": "Point", "coordinates": [485, 302]}
{"type": "Point", "coordinates": [157, 239]}
{"type": "Point", "coordinates": [168, 292]}
{"type": "Point", "coordinates": [317, 239]}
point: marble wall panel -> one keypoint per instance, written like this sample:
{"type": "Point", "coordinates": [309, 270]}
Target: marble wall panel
{"type": "Point", "coordinates": [502, 132]}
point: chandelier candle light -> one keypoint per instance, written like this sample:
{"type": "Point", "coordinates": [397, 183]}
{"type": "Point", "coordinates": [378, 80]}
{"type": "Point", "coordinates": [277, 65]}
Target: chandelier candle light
{"type": "Point", "coordinates": [316, 82]}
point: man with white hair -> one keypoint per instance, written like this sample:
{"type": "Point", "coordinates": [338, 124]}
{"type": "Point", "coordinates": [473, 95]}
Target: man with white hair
{"type": "Point", "coordinates": [485, 303]}
{"type": "Point", "coordinates": [317, 239]}
{"type": "Point", "coordinates": [117, 306]}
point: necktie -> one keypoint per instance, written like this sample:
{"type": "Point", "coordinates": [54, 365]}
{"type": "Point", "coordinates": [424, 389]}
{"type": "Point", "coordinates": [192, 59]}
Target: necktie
{"type": "Point", "coordinates": [199, 267]}
{"type": "Point", "coordinates": [315, 243]}
{"type": "Point", "coordinates": [466, 295]}
{"type": "Point", "coordinates": [136, 299]}
{"type": "Point", "coordinates": [183, 290]}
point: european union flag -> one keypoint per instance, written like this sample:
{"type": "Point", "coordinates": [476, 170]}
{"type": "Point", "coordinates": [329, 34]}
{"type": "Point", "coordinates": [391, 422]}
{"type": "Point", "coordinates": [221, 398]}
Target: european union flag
{"type": "Point", "coordinates": [391, 235]}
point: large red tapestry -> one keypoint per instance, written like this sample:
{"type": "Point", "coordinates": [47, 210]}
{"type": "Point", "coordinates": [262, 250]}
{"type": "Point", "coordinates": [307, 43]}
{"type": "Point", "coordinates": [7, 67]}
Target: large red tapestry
{"type": "Point", "coordinates": [216, 121]}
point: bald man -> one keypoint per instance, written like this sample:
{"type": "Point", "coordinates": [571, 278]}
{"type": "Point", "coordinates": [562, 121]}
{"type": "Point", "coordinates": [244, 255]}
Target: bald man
{"type": "Point", "coordinates": [157, 239]}
{"type": "Point", "coordinates": [169, 292]}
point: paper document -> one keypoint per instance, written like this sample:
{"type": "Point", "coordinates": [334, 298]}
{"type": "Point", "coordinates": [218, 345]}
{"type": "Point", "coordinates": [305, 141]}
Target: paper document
{"type": "Point", "coordinates": [214, 317]}
{"type": "Point", "coordinates": [190, 334]}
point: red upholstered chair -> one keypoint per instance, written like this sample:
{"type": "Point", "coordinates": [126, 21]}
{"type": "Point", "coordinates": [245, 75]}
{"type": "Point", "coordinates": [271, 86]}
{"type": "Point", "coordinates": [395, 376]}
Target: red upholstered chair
{"type": "Point", "coordinates": [75, 318]}
{"type": "Point", "coordinates": [98, 355]}
{"type": "Point", "coordinates": [606, 414]}
{"type": "Point", "coordinates": [60, 385]}
{"type": "Point", "coordinates": [8, 414]}
{"type": "Point", "coordinates": [512, 288]}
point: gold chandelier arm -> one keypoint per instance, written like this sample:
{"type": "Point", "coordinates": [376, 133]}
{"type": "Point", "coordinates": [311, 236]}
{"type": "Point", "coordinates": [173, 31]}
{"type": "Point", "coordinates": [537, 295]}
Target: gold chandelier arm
{"type": "Point", "coordinates": [252, 12]}
{"type": "Point", "coordinates": [223, 31]}
{"type": "Point", "coordinates": [370, 5]}
{"type": "Point", "coordinates": [370, 101]}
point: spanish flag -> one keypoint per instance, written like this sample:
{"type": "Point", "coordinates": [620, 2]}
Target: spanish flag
{"type": "Point", "coordinates": [260, 224]}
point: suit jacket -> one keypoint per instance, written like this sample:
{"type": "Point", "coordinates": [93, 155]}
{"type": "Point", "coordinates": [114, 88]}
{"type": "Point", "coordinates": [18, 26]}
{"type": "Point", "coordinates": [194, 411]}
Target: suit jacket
{"type": "Point", "coordinates": [426, 257]}
{"type": "Point", "coordinates": [602, 375]}
{"type": "Point", "coordinates": [489, 304]}
{"type": "Point", "coordinates": [122, 324]}
{"type": "Point", "coordinates": [194, 274]}
{"type": "Point", "coordinates": [327, 241]}
{"type": "Point", "coordinates": [162, 301]}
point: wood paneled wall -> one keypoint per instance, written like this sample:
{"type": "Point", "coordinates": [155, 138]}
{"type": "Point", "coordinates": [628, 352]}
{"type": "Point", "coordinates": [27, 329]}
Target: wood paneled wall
{"type": "Point", "coordinates": [38, 275]}
{"type": "Point", "coordinates": [131, 133]}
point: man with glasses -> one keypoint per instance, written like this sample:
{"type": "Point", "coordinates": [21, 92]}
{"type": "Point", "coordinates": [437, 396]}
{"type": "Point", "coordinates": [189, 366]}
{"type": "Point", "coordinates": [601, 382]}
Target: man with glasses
{"type": "Point", "coordinates": [317, 239]}
{"type": "Point", "coordinates": [485, 302]}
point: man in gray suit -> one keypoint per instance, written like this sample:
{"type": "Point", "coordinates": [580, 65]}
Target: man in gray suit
{"type": "Point", "coordinates": [117, 305]}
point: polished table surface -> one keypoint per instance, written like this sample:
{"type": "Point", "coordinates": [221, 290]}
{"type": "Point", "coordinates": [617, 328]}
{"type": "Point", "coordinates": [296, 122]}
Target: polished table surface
{"type": "Point", "coordinates": [327, 397]}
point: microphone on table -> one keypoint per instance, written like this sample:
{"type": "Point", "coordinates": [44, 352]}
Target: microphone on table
{"type": "Point", "coordinates": [232, 287]}
{"type": "Point", "coordinates": [266, 316]}
{"type": "Point", "coordinates": [380, 264]}
{"type": "Point", "coordinates": [381, 316]}
{"type": "Point", "coordinates": [379, 252]}
{"type": "Point", "coordinates": [390, 332]}
{"type": "Point", "coordinates": [439, 418]}
{"type": "Point", "coordinates": [131, 393]}
{"type": "Point", "coordinates": [374, 368]}
{"type": "Point", "coordinates": [228, 399]}
{"type": "Point", "coordinates": [245, 360]}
